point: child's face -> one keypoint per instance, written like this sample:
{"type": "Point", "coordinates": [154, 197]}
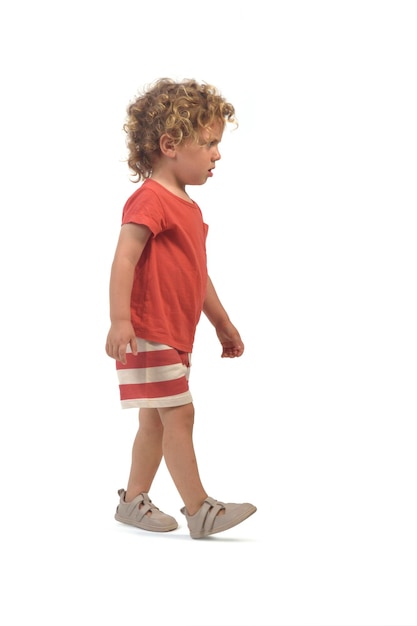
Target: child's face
{"type": "Point", "coordinates": [195, 162]}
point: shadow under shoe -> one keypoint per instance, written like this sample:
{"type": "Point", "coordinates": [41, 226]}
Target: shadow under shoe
{"type": "Point", "coordinates": [135, 512]}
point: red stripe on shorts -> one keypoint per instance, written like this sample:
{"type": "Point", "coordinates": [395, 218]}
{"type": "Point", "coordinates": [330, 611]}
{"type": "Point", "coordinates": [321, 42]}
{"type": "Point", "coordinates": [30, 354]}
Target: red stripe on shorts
{"type": "Point", "coordinates": [153, 358]}
{"type": "Point", "coordinates": [154, 390]}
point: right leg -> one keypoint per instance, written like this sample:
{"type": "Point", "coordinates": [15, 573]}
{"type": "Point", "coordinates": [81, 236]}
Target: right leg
{"type": "Point", "coordinates": [146, 453]}
{"type": "Point", "coordinates": [135, 507]}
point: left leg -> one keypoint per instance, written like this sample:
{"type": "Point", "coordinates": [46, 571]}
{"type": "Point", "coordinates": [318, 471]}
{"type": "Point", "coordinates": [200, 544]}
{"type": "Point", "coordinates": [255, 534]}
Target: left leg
{"type": "Point", "coordinates": [180, 456]}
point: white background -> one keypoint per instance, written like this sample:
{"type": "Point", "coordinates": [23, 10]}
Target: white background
{"type": "Point", "coordinates": [312, 248]}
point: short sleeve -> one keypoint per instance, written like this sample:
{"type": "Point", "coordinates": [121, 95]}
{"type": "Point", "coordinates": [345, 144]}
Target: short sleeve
{"type": "Point", "coordinates": [144, 207]}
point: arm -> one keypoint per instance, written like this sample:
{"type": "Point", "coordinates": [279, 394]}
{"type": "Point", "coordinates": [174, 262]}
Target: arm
{"type": "Point", "coordinates": [227, 333]}
{"type": "Point", "coordinates": [132, 241]}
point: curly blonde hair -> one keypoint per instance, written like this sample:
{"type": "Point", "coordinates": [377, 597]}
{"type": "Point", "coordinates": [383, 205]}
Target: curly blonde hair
{"type": "Point", "coordinates": [180, 109]}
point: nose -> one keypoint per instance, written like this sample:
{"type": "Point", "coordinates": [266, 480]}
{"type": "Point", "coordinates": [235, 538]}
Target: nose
{"type": "Point", "coordinates": [217, 156]}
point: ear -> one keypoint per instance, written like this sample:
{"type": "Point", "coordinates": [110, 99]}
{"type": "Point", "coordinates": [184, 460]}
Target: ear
{"type": "Point", "coordinates": [167, 146]}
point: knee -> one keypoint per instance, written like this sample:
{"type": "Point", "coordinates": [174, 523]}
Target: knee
{"type": "Point", "coordinates": [178, 417]}
{"type": "Point", "coordinates": [150, 422]}
{"type": "Point", "coordinates": [154, 431]}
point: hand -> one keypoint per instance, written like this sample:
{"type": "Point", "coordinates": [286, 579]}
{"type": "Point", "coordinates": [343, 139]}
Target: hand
{"type": "Point", "coordinates": [121, 334]}
{"type": "Point", "coordinates": [231, 341]}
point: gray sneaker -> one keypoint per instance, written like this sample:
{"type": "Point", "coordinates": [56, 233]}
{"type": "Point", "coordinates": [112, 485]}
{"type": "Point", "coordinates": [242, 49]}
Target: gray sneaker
{"type": "Point", "coordinates": [135, 514]}
{"type": "Point", "coordinates": [216, 517]}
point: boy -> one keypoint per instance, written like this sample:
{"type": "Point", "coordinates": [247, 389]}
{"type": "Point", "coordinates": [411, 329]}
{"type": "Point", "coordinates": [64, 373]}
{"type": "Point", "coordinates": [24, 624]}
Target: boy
{"type": "Point", "coordinates": [159, 287]}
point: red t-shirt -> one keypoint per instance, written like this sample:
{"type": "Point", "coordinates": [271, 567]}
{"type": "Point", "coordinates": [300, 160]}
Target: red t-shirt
{"type": "Point", "coordinates": [171, 276]}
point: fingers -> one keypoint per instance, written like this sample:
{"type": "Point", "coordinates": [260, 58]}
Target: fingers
{"type": "Point", "coordinates": [119, 351]}
{"type": "Point", "coordinates": [232, 352]}
{"type": "Point", "coordinates": [134, 346]}
{"type": "Point", "coordinates": [120, 341]}
{"type": "Point", "coordinates": [121, 355]}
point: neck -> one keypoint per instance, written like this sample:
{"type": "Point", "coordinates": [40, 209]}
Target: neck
{"type": "Point", "coordinates": [172, 185]}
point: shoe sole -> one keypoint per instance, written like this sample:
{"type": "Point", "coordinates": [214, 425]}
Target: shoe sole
{"type": "Point", "coordinates": [221, 528]}
{"type": "Point", "coordinates": [163, 529]}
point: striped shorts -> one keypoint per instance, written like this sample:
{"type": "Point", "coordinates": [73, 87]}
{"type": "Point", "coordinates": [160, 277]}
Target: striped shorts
{"type": "Point", "coordinates": [156, 377]}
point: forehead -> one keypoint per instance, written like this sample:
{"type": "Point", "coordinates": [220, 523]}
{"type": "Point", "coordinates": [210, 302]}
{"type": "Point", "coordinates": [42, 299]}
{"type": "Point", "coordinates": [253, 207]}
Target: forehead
{"type": "Point", "coordinates": [214, 131]}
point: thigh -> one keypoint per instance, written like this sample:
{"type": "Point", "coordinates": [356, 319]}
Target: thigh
{"type": "Point", "coordinates": [149, 418]}
{"type": "Point", "coordinates": [177, 417]}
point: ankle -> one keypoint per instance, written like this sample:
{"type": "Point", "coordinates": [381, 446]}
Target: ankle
{"type": "Point", "coordinates": [132, 494]}
{"type": "Point", "coordinates": [194, 506]}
